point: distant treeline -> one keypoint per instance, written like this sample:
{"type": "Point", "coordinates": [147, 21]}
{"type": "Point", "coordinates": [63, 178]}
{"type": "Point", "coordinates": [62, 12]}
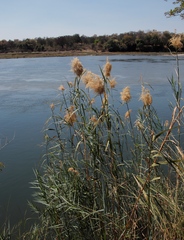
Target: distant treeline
{"type": "Point", "coordinates": [151, 41]}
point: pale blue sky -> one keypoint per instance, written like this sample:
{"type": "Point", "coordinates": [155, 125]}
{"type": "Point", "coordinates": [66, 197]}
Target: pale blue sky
{"type": "Point", "coordinates": [21, 19]}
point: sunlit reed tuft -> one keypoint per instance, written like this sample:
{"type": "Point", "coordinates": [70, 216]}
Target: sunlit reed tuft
{"type": "Point", "coordinates": [92, 101]}
{"type": "Point", "coordinates": [127, 114]}
{"type": "Point", "coordinates": [107, 69]}
{"type": "Point", "coordinates": [70, 116]}
{"type": "Point", "coordinates": [175, 42]}
{"type": "Point", "coordinates": [166, 124]}
{"type": "Point", "coordinates": [146, 97]}
{"type": "Point", "coordinates": [77, 67]}
{"type": "Point", "coordinates": [112, 83]}
{"type": "Point", "coordinates": [125, 94]}
{"type": "Point", "coordinates": [94, 82]}
{"type": "Point", "coordinates": [52, 106]}
{"type": "Point", "coordinates": [94, 120]}
{"type": "Point", "coordinates": [87, 77]}
{"type": "Point", "coordinates": [70, 84]}
{"type": "Point", "coordinates": [74, 171]}
{"type": "Point", "coordinates": [61, 88]}
{"type": "Point", "coordinates": [139, 125]}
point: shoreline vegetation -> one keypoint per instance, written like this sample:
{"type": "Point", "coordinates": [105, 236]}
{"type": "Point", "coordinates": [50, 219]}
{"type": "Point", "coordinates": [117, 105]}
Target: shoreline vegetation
{"type": "Point", "coordinates": [11, 55]}
{"type": "Point", "coordinates": [151, 43]}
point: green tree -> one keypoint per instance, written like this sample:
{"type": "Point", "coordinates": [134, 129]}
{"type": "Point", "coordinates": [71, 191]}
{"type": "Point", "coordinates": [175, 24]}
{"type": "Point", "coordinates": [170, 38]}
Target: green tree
{"type": "Point", "coordinates": [178, 10]}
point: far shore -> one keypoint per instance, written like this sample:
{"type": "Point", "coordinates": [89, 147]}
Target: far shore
{"type": "Point", "coordinates": [10, 55]}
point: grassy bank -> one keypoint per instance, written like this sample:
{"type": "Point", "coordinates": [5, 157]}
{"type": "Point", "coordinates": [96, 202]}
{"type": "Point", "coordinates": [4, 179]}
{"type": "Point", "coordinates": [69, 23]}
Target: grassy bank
{"type": "Point", "coordinates": [71, 53]}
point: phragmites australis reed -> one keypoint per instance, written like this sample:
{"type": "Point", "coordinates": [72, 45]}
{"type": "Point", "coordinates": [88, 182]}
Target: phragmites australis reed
{"type": "Point", "coordinates": [112, 83]}
{"type": "Point", "coordinates": [175, 42]}
{"type": "Point", "coordinates": [107, 72]}
{"type": "Point", "coordinates": [87, 77]}
{"type": "Point", "coordinates": [77, 67]}
{"type": "Point", "coordinates": [70, 84]}
{"type": "Point", "coordinates": [92, 101]}
{"type": "Point", "coordinates": [104, 100]}
{"type": "Point", "coordinates": [139, 125]}
{"type": "Point", "coordinates": [61, 88]}
{"type": "Point", "coordinates": [52, 106]}
{"type": "Point", "coordinates": [125, 94]}
{"type": "Point", "coordinates": [166, 124]}
{"type": "Point", "coordinates": [74, 171]}
{"type": "Point", "coordinates": [70, 116]}
{"type": "Point", "coordinates": [127, 114]}
{"type": "Point", "coordinates": [94, 82]}
{"type": "Point", "coordinates": [146, 97]}
{"type": "Point", "coordinates": [94, 120]}
{"type": "Point", "coordinates": [107, 69]}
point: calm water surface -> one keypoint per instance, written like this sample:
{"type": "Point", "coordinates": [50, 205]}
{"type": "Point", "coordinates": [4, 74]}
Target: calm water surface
{"type": "Point", "coordinates": [28, 86]}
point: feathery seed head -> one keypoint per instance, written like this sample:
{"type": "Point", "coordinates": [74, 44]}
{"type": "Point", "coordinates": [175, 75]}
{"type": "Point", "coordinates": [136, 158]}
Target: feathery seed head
{"type": "Point", "coordinates": [175, 41]}
{"type": "Point", "coordinates": [94, 82]}
{"type": "Point", "coordinates": [125, 94]}
{"type": "Point", "coordinates": [146, 97]}
{"type": "Point", "coordinates": [52, 106]}
{"type": "Point", "coordinates": [166, 124]}
{"type": "Point", "coordinates": [74, 171]}
{"type": "Point", "coordinates": [112, 83]}
{"type": "Point", "coordinates": [107, 69]}
{"type": "Point", "coordinates": [87, 77]}
{"type": "Point", "coordinates": [77, 67]}
{"type": "Point", "coordinates": [127, 114]}
{"type": "Point", "coordinates": [94, 120]}
{"type": "Point", "coordinates": [139, 125]}
{"type": "Point", "coordinates": [70, 84]}
{"type": "Point", "coordinates": [92, 101]}
{"type": "Point", "coordinates": [61, 88]}
{"type": "Point", "coordinates": [105, 100]}
{"type": "Point", "coordinates": [70, 116]}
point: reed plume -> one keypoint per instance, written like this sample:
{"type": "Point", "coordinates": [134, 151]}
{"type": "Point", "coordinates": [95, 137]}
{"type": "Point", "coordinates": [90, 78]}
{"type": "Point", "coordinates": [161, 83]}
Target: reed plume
{"type": "Point", "coordinates": [61, 88]}
{"type": "Point", "coordinates": [77, 67]}
{"type": "Point", "coordinates": [125, 94]}
{"type": "Point", "coordinates": [94, 82]}
{"type": "Point", "coordinates": [87, 77]}
{"type": "Point", "coordinates": [107, 69]}
{"type": "Point", "coordinates": [175, 42]}
{"type": "Point", "coordinates": [112, 83]}
{"type": "Point", "coordinates": [52, 106]}
{"type": "Point", "coordinates": [73, 170]}
{"type": "Point", "coordinates": [70, 116]}
{"type": "Point", "coordinates": [94, 120]}
{"type": "Point", "coordinates": [127, 114]}
{"type": "Point", "coordinates": [146, 97]}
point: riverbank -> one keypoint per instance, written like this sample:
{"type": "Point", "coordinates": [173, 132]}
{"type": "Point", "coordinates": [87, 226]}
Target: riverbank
{"type": "Point", "coordinates": [72, 53]}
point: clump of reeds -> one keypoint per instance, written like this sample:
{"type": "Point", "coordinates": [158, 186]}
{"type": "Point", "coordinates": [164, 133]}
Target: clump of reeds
{"type": "Point", "coordinates": [105, 176]}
